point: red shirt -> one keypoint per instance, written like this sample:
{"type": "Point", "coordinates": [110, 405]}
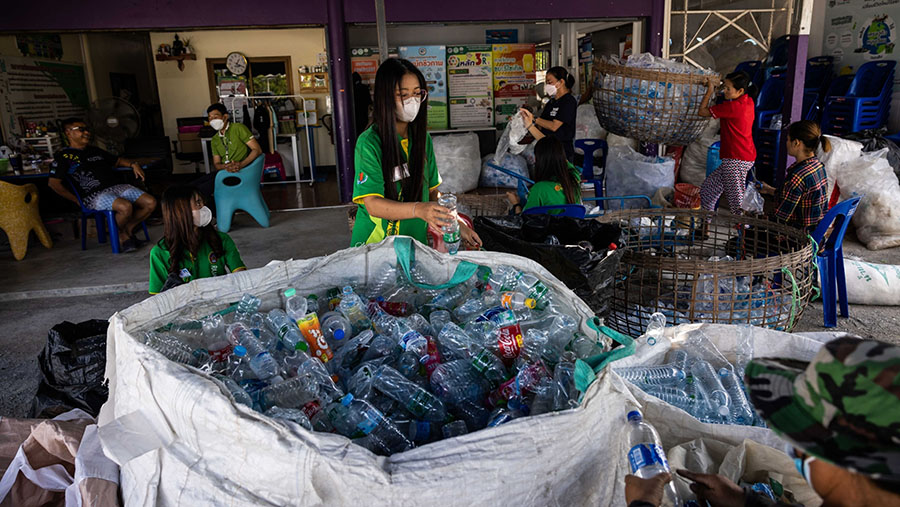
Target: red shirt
{"type": "Point", "coordinates": [736, 118]}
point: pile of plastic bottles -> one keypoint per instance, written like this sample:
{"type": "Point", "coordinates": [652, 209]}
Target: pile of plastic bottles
{"type": "Point", "coordinates": [698, 379]}
{"type": "Point", "coordinates": [392, 366]}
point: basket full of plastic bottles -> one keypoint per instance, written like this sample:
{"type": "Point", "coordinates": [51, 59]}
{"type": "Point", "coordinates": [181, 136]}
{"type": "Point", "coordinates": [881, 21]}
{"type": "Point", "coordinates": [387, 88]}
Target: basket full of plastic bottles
{"type": "Point", "coordinates": [650, 99]}
{"type": "Point", "coordinates": [697, 266]}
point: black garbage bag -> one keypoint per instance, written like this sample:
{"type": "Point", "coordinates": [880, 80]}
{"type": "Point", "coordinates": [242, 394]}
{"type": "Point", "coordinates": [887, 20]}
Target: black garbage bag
{"type": "Point", "coordinates": [874, 140]}
{"type": "Point", "coordinates": [73, 364]}
{"type": "Point", "coordinates": [575, 251]}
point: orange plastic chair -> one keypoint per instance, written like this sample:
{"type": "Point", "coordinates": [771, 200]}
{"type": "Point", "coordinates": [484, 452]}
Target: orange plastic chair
{"type": "Point", "coordinates": [19, 215]}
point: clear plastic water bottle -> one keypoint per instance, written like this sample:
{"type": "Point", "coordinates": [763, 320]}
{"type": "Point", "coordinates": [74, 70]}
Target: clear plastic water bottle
{"type": "Point", "coordinates": [503, 278]}
{"type": "Point", "coordinates": [456, 382]}
{"type": "Point", "coordinates": [246, 307]}
{"type": "Point", "coordinates": [679, 358]}
{"type": "Point", "coordinates": [523, 384]}
{"type": "Point", "coordinates": [355, 418]}
{"type": "Point", "coordinates": [454, 343]}
{"type": "Point", "coordinates": [488, 366]}
{"type": "Point", "coordinates": [449, 298]}
{"type": "Point", "coordinates": [336, 329]}
{"type": "Point", "coordinates": [438, 319]}
{"type": "Point", "coordinates": [237, 392]}
{"type": "Point", "coordinates": [291, 362]}
{"type": "Point", "coordinates": [651, 375]}
{"type": "Point", "coordinates": [239, 366]}
{"type": "Point", "coordinates": [292, 393]}
{"type": "Point", "coordinates": [450, 230]}
{"type": "Point", "coordinates": [646, 456]}
{"type": "Point", "coordinates": [676, 397]}
{"type": "Point", "coordinates": [295, 306]}
{"type": "Point", "coordinates": [454, 429]}
{"type": "Point", "coordinates": [515, 300]}
{"type": "Point", "coordinates": [741, 410]}
{"type": "Point", "coordinates": [473, 413]}
{"type": "Point", "coordinates": [534, 288]}
{"type": "Point", "coordinates": [315, 370]}
{"type": "Point", "coordinates": [710, 386]}
{"type": "Point", "coordinates": [413, 398]}
{"type": "Point", "coordinates": [566, 396]}
{"type": "Point", "coordinates": [284, 327]}
{"type": "Point", "coordinates": [171, 347]}
{"type": "Point", "coordinates": [354, 310]}
{"type": "Point", "coordinates": [261, 361]}
{"type": "Point", "coordinates": [290, 414]}
{"type": "Point", "coordinates": [385, 281]}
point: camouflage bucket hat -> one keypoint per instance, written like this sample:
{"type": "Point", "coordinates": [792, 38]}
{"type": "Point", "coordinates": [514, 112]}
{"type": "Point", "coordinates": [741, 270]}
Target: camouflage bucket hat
{"type": "Point", "coordinates": [843, 407]}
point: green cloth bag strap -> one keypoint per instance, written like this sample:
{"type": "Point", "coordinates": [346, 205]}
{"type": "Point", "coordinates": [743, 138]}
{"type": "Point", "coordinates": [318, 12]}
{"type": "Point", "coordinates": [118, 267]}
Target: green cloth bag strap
{"type": "Point", "coordinates": [403, 247]}
{"type": "Point", "coordinates": [586, 371]}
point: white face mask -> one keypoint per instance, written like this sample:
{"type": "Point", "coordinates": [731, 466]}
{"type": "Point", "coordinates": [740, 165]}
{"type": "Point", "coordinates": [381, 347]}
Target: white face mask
{"type": "Point", "coordinates": [410, 109]}
{"type": "Point", "coordinates": [202, 216]}
{"type": "Point", "coordinates": [217, 124]}
{"type": "Point", "coordinates": [550, 90]}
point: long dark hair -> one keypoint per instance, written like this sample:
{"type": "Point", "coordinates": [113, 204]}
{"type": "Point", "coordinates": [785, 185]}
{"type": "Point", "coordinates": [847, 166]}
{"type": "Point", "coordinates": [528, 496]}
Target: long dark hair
{"type": "Point", "coordinates": [809, 134]}
{"type": "Point", "coordinates": [561, 74]}
{"type": "Point", "coordinates": [387, 83]}
{"type": "Point", "coordinates": [740, 80]}
{"type": "Point", "coordinates": [550, 164]}
{"type": "Point", "coordinates": [178, 226]}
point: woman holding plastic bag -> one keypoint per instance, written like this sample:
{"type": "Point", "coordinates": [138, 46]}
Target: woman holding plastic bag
{"type": "Point", "coordinates": [396, 181]}
{"type": "Point", "coordinates": [558, 116]}
{"type": "Point", "coordinates": [802, 200]}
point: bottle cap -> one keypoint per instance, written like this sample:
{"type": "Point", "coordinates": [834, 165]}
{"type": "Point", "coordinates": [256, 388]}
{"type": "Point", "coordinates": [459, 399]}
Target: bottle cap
{"type": "Point", "coordinates": [634, 415]}
{"type": "Point", "coordinates": [289, 293]}
{"type": "Point", "coordinates": [345, 401]}
{"type": "Point", "coordinates": [612, 246]}
{"type": "Point", "coordinates": [313, 297]}
{"type": "Point", "coordinates": [301, 346]}
{"type": "Point", "coordinates": [338, 334]}
{"type": "Point", "coordinates": [240, 351]}
{"type": "Point", "coordinates": [530, 303]}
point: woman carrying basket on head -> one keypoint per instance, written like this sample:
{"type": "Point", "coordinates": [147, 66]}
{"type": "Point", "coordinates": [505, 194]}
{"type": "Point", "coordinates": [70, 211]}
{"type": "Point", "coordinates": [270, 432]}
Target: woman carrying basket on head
{"type": "Point", "coordinates": [396, 181]}
{"type": "Point", "coordinates": [737, 150]}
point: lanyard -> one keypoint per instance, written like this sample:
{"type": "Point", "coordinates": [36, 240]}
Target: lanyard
{"type": "Point", "coordinates": [226, 142]}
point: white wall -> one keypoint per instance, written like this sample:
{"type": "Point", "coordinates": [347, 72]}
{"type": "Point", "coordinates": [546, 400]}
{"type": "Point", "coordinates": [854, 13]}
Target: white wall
{"type": "Point", "coordinates": [817, 29]}
{"type": "Point", "coordinates": [185, 94]}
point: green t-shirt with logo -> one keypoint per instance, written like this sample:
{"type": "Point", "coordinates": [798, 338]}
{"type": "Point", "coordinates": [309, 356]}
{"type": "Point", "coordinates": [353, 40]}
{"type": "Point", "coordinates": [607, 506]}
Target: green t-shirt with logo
{"type": "Point", "coordinates": [550, 193]}
{"type": "Point", "coordinates": [205, 265]}
{"type": "Point", "coordinates": [369, 181]}
{"type": "Point", "coordinates": [232, 145]}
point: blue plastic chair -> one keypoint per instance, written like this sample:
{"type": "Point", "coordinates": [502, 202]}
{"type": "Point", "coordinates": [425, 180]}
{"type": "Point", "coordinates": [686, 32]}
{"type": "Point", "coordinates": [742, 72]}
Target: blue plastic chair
{"type": "Point", "coordinates": [831, 259]}
{"type": "Point", "coordinates": [106, 224]}
{"type": "Point", "coordinates": [240, 190]}
{"type": "Point", "coordinates": [770, 101]}
{"type": "Point", "coordinates": [866, 103]}
{"type": "Point", "coordinates": [754, 69]}
{"type": "Point", "coordinates": [562, 210]}
{"type": "Point", "coordinates": [589, 147]}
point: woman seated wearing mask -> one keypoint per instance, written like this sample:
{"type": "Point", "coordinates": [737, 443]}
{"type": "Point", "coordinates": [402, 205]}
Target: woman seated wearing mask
{"type": "Point", "coordinates": [191, 247]}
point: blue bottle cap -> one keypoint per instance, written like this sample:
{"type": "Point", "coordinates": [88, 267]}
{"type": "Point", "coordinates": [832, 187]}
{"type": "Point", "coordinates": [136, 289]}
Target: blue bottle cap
{"type": "Point", "coordinates": [240, 351]}
{"type": "Point", "coordinates": [338, 334]}
{"type": "Point", "coordinates": [635, 415]}
{"type": "Point", "coordinates": [345, 401]}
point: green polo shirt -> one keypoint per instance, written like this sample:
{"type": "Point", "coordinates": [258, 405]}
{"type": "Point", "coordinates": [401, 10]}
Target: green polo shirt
{"type": "Point", "coordinates": [233, 143]}
{"type": "Point", "coordinates": [205, 265]}
{"type": "Point", "coordinates": [369, 181]}
{"type": "Point", "coordinates": [550, 193]}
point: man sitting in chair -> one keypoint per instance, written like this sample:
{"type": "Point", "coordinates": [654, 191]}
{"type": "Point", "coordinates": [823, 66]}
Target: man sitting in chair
{"type": "Point", "coordinates": [91, 171]}
{"type": "Point", "coordinates": [233, 148]}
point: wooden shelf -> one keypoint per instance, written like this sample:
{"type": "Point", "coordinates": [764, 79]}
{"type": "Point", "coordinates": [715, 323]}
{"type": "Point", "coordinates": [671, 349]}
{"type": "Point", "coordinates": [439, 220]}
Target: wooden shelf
{"type": "Point", "coordinates": [180, 58]}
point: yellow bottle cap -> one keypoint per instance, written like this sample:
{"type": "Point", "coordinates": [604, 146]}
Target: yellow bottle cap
{"type": "Point", "coordinates": [530, 303]}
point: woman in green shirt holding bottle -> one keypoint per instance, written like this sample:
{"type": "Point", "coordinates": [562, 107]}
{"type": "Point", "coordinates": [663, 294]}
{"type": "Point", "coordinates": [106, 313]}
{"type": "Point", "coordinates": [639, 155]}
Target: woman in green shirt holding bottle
{"type": "Point", "coordinates": [396, 179]}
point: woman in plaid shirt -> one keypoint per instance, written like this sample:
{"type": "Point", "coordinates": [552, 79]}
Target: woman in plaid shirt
{"type": "Point", "coordinates": [802, 200]}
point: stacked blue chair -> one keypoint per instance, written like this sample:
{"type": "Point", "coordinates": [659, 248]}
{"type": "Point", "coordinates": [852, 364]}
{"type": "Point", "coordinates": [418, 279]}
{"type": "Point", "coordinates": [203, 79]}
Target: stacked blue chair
{"type": "Point", "coordinates": [767, 140]}
{"type": "Point", "coordinates": [819, 73]}
{"type": "Point", "coordinates": [754, 69]}
{"type": "Point", "coordinates": [867, 102]}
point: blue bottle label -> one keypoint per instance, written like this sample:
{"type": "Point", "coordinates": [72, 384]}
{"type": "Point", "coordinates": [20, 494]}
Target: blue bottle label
{"type": "Point", "coordinates": [369, 422]}
{"type": "Point", "coordinates": [644, 455]}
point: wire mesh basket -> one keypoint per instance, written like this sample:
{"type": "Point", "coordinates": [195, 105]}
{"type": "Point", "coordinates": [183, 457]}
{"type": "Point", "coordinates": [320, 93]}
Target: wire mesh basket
{"type": "Point", "coordinates": [479, 205]}
{"type": "Point", "coordinates": [650, 105]}
{"type": "Point", "coordinates": [697, 266]}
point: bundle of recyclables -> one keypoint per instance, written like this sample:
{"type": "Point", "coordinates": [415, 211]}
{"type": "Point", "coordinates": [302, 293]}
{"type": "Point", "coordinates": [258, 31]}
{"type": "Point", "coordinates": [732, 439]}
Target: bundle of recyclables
{"type": "Point", "coordinates": [697, 377]}
{"type": "Point", "coordinates": [390, 365]}
{"type": "Point", "coordinates": [651, 99]}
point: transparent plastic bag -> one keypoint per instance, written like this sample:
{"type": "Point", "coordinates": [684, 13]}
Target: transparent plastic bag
{"type": "Point", "coordinates": [753, 201]}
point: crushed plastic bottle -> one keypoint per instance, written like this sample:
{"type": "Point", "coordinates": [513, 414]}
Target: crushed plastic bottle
{"type": "Point", "coordinates": [295, 306]}
{"type": "Point", "coordinates": [261, 361]}
{"type": "Point", "coordinates": [413, 398]}
{"type": "Point", "coordinates": [353, 308]}
{"type": "Point", "coordinates": [246, 307]}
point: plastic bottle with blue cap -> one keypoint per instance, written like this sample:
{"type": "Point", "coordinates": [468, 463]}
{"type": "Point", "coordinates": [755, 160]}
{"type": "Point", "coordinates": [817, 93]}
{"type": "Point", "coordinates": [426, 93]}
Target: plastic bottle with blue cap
{"type": "Point", "coordinates": [646, 457]}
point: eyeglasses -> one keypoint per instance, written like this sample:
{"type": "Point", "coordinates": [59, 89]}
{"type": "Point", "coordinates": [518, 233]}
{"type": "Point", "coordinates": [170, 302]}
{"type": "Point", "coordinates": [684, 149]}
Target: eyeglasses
{"type": "Point", "coordinates": [421, 94]}
{"type": "Point", "coordinates": [80, 129]}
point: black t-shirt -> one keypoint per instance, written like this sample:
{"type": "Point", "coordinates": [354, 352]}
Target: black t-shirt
{"type": "Point", "coordinates": [90, 170]}
{"type": "Point", "coordinates": [564, 110]}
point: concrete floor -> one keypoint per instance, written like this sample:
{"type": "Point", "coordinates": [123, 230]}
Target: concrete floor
{"type": "Point", "coordinates": [64, 283]}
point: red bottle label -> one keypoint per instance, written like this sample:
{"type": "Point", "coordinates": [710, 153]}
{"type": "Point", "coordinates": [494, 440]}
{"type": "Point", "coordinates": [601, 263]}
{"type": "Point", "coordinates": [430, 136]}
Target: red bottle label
{"type": "Point", "coordinates": [510, 342]}
{"type": "Point", "coordinates": [433, 359]}
{"type": "Point", "coordinates": [397, 309]}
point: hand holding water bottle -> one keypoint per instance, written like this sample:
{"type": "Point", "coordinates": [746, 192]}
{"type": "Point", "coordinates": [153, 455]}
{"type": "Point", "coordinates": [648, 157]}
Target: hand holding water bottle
{"type": "Point", "coordinates": [646, 490]}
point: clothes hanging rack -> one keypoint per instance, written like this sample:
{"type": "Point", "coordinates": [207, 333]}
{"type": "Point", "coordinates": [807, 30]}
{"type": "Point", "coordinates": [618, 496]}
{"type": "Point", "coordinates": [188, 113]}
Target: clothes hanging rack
{"type": "Point", "coordinates": [309, 134]}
